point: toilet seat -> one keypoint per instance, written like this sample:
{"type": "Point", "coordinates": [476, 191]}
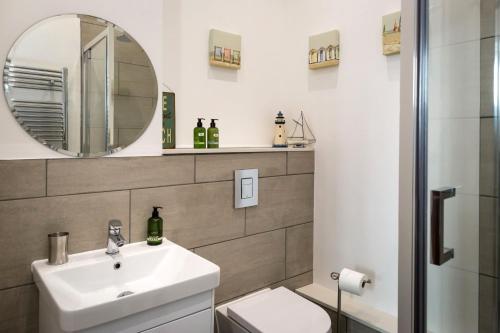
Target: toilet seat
{"type": "Point", "coordinates": [279, 310]}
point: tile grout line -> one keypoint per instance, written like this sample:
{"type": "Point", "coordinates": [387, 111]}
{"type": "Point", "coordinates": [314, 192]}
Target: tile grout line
{"type": "Point", "coordinates": [18, 286]}
{"type": "Point", "coordinates": [130, 216]}
{"type": "Point", "coordinates": [46, 178]}
{"type": "Point", "coordinates": [250, 235]}
{"type": "Point", "coordinates": [195, 162]}
{"type": "Point", "coordinates": [245, 224]}
{"type": "Point", "coordinates": [143, 188]}
{"type": "Point", "coordinates": [286, 163]}
{"type": "Point", "coordinates": [286, 237]}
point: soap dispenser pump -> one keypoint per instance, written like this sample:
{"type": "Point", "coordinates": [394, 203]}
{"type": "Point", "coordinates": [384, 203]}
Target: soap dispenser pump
{"type": "Point", "coordinates": [213, 135]}
{"type": "Point", "coordinates": [155, 228]}
{"type": "Point", "coordinates": [200, 135]}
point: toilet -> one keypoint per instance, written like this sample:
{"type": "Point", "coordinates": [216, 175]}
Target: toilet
{"type": "Point", "coordinates": [272, 311]}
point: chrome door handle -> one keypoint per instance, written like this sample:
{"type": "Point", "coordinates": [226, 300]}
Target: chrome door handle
{"type": "Point", "coordinates": [440, 254]}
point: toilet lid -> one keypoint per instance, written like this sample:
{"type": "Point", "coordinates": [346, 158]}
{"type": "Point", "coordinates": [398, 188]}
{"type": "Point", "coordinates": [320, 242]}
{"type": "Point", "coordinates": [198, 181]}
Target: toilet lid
{"type": "Point", "coordinates": [279, 310]}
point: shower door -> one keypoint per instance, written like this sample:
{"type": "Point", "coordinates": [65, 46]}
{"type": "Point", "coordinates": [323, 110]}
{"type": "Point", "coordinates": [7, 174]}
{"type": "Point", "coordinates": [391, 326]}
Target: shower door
{"type": "Point", "coordinates": [459, 94]}
{"type": "Point", "coordinates": [97, 96]}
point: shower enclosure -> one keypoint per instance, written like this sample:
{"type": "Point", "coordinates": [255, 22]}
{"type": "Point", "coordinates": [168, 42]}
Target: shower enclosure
{"type": "Point", "coordinates": [449, 210]}
{"type": "Point", "coordinates": [97, 97]}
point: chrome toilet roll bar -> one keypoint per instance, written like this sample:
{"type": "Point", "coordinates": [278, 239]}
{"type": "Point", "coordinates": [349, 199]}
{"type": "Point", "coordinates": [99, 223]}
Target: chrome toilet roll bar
{"type": "Point", "coordinates": [336, 276]}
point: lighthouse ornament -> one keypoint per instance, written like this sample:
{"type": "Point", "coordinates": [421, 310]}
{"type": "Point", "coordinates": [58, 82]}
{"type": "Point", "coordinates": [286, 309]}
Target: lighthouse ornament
{"type": "Point", "coordinates": [279, 131]}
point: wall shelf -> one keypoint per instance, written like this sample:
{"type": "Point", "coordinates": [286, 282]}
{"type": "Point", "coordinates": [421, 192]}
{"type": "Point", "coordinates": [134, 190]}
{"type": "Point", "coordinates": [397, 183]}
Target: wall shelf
{"type": "Point", "coordinates": [229, 150]}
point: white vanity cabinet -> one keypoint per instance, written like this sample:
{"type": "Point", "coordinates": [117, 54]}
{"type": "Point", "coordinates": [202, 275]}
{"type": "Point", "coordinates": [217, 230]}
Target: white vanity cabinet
{"type": "Point", "coordinates": [195, 323]}
{"type": "Point", "coordinates": [164, 288]}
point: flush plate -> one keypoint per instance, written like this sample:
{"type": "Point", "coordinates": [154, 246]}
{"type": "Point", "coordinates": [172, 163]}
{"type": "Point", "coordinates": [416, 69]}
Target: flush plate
{"type": "Point", "coordinates": [246, 188]}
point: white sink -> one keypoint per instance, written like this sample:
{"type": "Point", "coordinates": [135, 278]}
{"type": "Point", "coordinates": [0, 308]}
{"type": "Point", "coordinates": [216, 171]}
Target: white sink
{"type": "Point", "coordinates": [85, 292]}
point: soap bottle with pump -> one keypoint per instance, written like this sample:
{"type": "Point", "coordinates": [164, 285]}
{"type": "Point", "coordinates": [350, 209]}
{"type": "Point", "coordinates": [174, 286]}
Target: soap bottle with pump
{"type": "Point", "coordinates": [213, 135]}
{"type": "Point", "coordinates": [200, 135]}
{"type": "Point", "coordinates": [155, 228]}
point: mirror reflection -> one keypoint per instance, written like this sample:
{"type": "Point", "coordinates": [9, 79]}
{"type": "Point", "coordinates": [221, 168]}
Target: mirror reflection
{"type": "Point", "coordinates": [80, 85]}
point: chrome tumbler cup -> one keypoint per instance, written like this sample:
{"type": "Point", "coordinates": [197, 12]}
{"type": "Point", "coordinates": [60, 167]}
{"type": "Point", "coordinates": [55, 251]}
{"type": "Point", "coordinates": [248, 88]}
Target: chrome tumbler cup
{"type": "Point", "coordinates": [58, 248]}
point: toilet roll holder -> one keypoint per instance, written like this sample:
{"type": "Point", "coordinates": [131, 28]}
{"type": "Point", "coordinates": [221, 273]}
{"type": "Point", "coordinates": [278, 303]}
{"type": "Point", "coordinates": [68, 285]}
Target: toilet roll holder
{"type": "Point", "coordinates": [336, 276]}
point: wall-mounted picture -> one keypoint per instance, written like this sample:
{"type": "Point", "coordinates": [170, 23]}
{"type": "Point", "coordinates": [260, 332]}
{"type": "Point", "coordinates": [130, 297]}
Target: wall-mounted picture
{"type": "Point", "coordinates": [391, 32]}
{"type": "Point", "coordinates": [224, 49]}
{"type": "Point", "coordinates": [218, 53]}
{"type": "Point", "coordinates": [227, 55]}
{"type": "Point", "coordinates": [236, 57]}
{"type": "Point", "coordinates": [324, 50]}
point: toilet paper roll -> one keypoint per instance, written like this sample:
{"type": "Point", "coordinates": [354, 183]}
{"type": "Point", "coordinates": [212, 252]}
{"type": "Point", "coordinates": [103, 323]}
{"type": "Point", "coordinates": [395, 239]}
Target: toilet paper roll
{"type": "Point", "coordinates": [351, 281]}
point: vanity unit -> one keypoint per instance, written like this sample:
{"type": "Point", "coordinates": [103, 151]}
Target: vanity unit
{"type": "Point", "coordinates": [160, 289]}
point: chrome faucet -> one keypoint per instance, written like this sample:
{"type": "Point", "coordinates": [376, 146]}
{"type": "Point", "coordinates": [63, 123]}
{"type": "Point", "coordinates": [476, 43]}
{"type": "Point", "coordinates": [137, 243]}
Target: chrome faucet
{"type": "Point", "coordinates": [115, 238]}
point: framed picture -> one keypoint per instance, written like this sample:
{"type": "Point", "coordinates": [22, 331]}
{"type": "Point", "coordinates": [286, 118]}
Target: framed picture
{"type": "Point", "coordinates": [236, 57]}
{"type": "Point", "coordinates": [217, 53]}
{"type": "Point", "coordinates": [391, 32]}
{"type": "Point", "coordinates": [227, 55]}
{"type": "Point", "coordinates": [224, 49]}
{"type": "Point", "coordinates": [324, 50]}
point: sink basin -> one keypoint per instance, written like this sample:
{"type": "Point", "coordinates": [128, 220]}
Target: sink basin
{"type": "Point", "coordinates": [95, 288]}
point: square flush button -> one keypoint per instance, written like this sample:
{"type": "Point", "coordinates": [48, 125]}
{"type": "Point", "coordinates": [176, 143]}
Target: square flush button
{"type": "Point", "coordinates": [246, 188]}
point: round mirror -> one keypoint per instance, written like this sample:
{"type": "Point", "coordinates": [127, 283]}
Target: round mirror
{"type": "Point", "coordinates": [80, 85]}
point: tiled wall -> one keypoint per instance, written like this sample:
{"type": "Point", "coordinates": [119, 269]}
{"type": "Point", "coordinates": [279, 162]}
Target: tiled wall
{"type": "Point", "coordinates": [267, 245]}
{"type": "Point", "coordinates": [489, 177]}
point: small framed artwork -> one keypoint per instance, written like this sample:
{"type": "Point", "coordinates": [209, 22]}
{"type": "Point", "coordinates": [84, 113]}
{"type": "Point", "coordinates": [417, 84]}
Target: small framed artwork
{"type": "Point", "coordinates": [168, 112]}
{"type": "Point", "coordinates": [236, 57]}
{"type": "Point", "coordinates": [227, 55]}
{"type": "Point", "coordinates": [391, 33]}
{"type": "Point", "coordinates": [324, 50]}
{"type": "Point", "coordinates": [217, 53]}
{"type": "Point", "coordinates": [224, 49]}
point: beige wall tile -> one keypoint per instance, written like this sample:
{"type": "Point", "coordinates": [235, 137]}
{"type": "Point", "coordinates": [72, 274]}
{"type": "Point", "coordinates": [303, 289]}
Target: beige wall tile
{"type": "Point", "coordinates": [283, 201]}
{"type": "Point", "coordinates": [126, 136]}
{"type": "Point", "coordinates": [134, 112]}
{"type": "Point", "coordinates": [487, 76]}
{"type": "Point", "coordinates": [488, 231]}
{"type": "Point", "coordinates": [194, 215]}
{"type": "Point", "coordinates": [22, 179]}
{"type": "Point", "coordinates": [136, 80]}
{"type": "Point", "coordinates": [19, 309]}
{"type": "Point", "coordinates": [299, 249]}
{"type": "Point", "coordinates": [67, 176]}
{"type": "Point", "coordinates": [300, 162]}
{"type": "Point", "coordinates": [247, 263]}
{"type": "Point", "coordinates": [296, 281]}
{"type": "Point", "coordinates": [25, 223]}
{"type": "Point", "coordinates": [221, 166]}
{"type": "Point", "coordinates": [487, 183]}
{"type": "Point", "coordinates": [488, 17]}
{"type": "Point", "coordinates": [488, 304]}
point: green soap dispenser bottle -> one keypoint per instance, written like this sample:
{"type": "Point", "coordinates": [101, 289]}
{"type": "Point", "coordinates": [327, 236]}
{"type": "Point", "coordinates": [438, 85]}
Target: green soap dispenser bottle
{"type": "Point", "coordinates": [155, 228]}
{"type": "Point", "coordinates": [213, 135]}
{"type": "Point", "coordinates": [200, 135]}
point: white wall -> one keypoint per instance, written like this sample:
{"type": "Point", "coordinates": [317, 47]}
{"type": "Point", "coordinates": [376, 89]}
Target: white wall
{"type": "Point", "coordinates": [246, 100]}
{"type": "Point", "coordinates": [354, 111]}
{"type": "Point", "coordinates": [143, 22]}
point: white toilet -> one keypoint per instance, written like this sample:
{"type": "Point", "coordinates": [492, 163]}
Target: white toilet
{"type": "Point", "coordinates": [272, 311]}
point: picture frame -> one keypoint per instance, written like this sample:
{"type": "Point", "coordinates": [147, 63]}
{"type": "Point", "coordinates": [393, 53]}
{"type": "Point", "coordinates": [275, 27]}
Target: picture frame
{"type": "Point", "coordinates": [224, 49]}
{"type": "Point", "coordinates": [217, 53]}
{"type": "Point", "coordinates": [236, 57]}
{"type": "Point", "coordinates": [227, 55]}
